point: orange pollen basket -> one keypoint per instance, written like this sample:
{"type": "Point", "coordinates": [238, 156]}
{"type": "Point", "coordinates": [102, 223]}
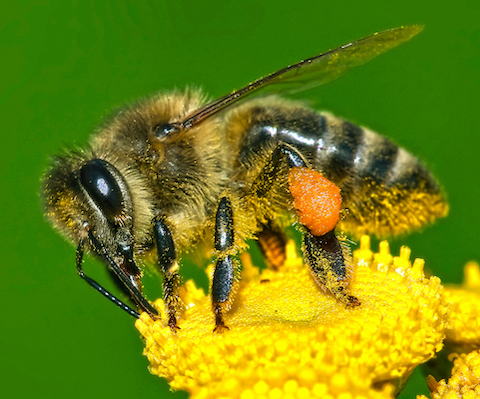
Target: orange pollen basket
{"type": "Point", "coordinates": [316, 199]}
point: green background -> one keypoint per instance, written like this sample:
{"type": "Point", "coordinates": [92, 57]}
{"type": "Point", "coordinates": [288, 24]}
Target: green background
{"type": "Point", "coordinates": [65, 65]}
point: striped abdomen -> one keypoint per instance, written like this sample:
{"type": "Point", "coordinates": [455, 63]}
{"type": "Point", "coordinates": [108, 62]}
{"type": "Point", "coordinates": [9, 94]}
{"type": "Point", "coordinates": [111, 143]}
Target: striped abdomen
{"type": "Point", "coordinates": [385, 189]}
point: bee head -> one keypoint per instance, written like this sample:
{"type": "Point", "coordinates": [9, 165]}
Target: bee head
{"type": "Point", "coordinates": [89, 201]}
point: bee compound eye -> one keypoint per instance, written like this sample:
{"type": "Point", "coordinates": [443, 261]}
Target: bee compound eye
{"type": "Point", "coordinates": [101, 185]}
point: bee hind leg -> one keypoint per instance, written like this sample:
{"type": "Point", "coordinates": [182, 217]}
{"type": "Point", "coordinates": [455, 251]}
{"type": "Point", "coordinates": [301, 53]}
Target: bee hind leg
{"type": "Point", "coordinates": [327, 257]}
{"type": "Point", "coordinates": [318, 202]}
{"type": "Point", "coordinates": [330, 264]}
{"type": "Point", "coordinates": [227, 267]}
{"type": "Point", "coordinates": [168, 263]}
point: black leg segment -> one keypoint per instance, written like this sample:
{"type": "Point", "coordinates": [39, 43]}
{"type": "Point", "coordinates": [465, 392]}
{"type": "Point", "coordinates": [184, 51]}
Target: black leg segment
{"type": "Point", "coordinates": [223, 279]}
{"type": "Point", "coordinates": [165, 247]}
{"type": "Point", "coordinates": [325, 250]}
{"type": "Point", "coordinates": [226, 267]}
{"type": "Point", "coordinates": [168, 263]}
{"type": "Point", "coordinates": [224, 237]}
{"type": "Point", "coordinates": [327, 261]}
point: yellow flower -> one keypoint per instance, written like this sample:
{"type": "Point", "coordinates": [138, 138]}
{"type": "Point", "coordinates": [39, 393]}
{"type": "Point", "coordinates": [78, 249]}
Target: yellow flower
{"type": "Point", "coordinates": [464, 382]}
{"type": "Point", "coordinates": [463, 337]}
{"type": "Point", "coordinates": [290, 339]}
{"type": "Point", "coordinates": [465, 302]}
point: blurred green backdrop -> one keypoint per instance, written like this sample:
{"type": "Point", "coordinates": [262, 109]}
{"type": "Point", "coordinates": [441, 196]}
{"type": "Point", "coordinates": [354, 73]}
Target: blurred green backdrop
{"type": "Point", "coordinates": [67, 64]}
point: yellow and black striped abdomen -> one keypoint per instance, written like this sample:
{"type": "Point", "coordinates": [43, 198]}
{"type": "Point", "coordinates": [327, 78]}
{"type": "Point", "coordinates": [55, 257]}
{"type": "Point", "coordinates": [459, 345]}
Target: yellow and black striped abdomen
{"type": "Point", "coordinates": [385, 189]}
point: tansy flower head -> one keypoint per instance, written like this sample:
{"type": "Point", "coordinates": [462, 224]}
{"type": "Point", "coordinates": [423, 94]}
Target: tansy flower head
{"type": "Point", "coordinates": [464, 382]}
{"type": "Point", "coordinates": [465, 318]}
{"type": "Point", "coordinates": [290, 339]}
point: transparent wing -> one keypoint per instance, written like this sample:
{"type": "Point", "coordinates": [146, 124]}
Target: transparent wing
{"type": "Point", "coordinates": [312, 72]}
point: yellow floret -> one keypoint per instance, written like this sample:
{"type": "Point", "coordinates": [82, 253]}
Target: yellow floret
{"type": "Point", "coordinates": [465, 318]}
{"type": "Point", "coordinates": [290, 339]}
{"type": "Point", "coordinates": [464, 382]}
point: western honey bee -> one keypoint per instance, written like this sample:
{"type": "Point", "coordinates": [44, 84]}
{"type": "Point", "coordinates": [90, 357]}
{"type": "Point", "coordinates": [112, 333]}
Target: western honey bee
{"type": "Point", "coordinates": [175, 170]}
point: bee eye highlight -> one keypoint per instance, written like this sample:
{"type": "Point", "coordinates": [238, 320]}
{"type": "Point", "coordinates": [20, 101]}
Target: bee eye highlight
{"type": "Point", "coordinates": [101, 186]}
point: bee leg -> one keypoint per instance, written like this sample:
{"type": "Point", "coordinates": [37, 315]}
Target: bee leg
{"type": "Point", "coordinates": [328, 261]}
{"type": "Point", "coordinates": [272, 242]}
{"type": "Point", "coordinates": [327, 258]}
{"type": "Point", "coordinates": [224, 276]}
{"type": "Point", "coordinates": [167, 260]}
{"type": "Point", "coordinates": [98, 287]}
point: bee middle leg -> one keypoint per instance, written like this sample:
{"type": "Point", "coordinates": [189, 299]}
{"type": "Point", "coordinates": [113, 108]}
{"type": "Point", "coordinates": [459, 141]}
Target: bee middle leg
{"type": "Point", "coordinates": [226, 267]}
{"type": "Point", "coordinates": [272, 242]}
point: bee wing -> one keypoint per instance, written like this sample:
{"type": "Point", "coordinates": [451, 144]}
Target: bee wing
{"type": "Point", "coordinates": [313, 71]}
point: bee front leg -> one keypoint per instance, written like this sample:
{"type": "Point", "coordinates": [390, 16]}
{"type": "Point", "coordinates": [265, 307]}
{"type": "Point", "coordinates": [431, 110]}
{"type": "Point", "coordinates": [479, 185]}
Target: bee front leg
{"type": "Point", "coordinates": [168, 263]}
{"type": "Point", "coordinates": [227, 267]}
{"type": "Point", "coordinates": [107, 294]}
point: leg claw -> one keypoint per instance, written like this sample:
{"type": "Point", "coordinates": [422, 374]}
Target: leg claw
{"type": "Point", "coordinates": [353, 302]}
{"type": "Point", "coordinates": [220, 328]}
